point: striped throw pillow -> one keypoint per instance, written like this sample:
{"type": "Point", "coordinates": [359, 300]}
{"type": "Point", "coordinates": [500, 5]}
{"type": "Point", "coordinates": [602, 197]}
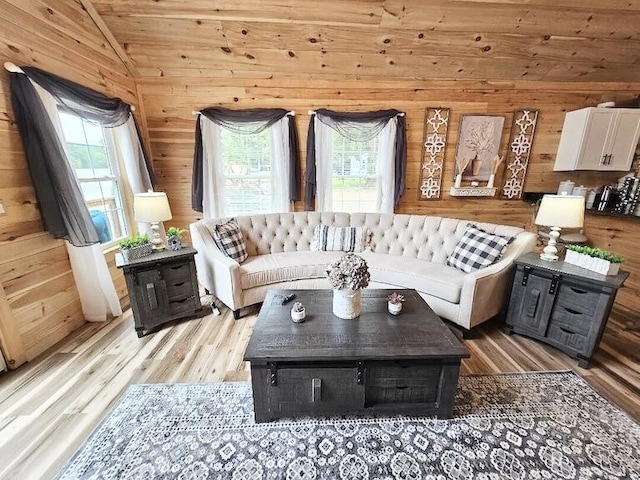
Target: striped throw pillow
{"type": "Point", "coordinates": [346, 239]}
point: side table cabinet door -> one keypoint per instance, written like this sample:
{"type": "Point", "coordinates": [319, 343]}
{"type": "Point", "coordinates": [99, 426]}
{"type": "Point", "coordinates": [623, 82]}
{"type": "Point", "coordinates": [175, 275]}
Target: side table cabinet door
{"type": "Point", "coordinates": [531, 302]}
{"type": "Point", "coordinates": [151, 297]}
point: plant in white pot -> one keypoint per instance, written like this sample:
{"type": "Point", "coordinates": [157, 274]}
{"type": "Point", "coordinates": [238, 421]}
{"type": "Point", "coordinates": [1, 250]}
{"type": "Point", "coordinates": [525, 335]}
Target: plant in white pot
{"type": "Point", "coordinates": [174, 238]}
{"type": "Point", "coordinates": [298, 312]}
{"type": "Point", "coordinates": [394, 303]}
{"type": "Point", "coordinates": [594, 259]}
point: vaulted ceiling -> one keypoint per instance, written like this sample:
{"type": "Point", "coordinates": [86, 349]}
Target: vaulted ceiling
{"type": "Point", "coordinates": [551, 40]}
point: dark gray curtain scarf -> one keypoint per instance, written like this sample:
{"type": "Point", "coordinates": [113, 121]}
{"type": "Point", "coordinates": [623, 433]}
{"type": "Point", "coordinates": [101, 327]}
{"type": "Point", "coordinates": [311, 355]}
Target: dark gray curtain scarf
{"type": "Point", "coordinates": [358, 127]}
{"type": "Point", "coordinates": [64, 213]}
{"type": "Point", "coordinates": [244, 122]}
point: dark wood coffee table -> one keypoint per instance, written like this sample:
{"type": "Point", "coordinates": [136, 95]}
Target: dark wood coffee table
{"type": "Point", "coordinates": [375, 364]}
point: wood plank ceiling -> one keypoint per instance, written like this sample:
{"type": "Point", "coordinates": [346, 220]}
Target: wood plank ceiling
{"type": "Point", "coordinates": [543, 40]}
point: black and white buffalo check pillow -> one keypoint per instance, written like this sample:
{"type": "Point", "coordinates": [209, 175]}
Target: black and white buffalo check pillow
{"type": "Point", "coordinates": [229, 239]}
{"type": "Point", "coordinates": [477, 249]}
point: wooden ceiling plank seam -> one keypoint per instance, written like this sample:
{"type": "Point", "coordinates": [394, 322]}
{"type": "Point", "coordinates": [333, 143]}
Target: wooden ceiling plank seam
{"type": "Point", "coordinates": [60, 24]}
{"type": "Point", "coordinates": [111, 39]}
{"type": "Point", "coordinates": [108, 79]}
{"type": "Point", "coordinates": [13, 30]}
{"type": "Point", "coordinates": [511, 18]}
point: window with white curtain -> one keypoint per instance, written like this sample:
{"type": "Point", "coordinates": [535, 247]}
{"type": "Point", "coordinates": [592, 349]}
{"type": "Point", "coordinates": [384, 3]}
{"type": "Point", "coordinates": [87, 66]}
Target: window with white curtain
{"type": "Point", "coordinates": [355, 175]}
{"type": "Point", "coordinates": [246, 168]}
{"type": "Point", "coordinates": [95, 161]}
{"type": "Point", "coordinates": [355, 170]}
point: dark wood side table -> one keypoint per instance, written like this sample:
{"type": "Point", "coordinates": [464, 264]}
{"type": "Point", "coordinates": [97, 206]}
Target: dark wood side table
{"type": "Point", "coordinates": [162, 287]}
{"type": "Point", "coordinates": [561, 304]}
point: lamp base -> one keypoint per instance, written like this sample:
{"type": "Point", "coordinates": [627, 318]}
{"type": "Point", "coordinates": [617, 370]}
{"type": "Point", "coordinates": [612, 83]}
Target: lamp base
{"type": "Point", "coordinates": [550, 252]}
{"type": "Point", "coordinates": [156, 241]}
{"type": "Point", "coordinates": [548, 258]}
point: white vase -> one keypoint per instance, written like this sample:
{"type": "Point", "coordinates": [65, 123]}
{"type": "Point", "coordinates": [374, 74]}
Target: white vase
{"type": "Point", "coordinates": [394, 308]}
{"type": "Point", "coordinates": [346, 303]}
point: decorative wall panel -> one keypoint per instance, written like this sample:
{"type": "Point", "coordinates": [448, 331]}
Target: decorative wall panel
{"type": "Point", "coordinates": [522, 131]}
{"type": "Point", "coordinates": [434, 141]}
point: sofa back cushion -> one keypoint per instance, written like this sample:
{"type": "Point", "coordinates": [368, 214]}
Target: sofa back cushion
{"type": "Point", "coordinates": [415, 236]}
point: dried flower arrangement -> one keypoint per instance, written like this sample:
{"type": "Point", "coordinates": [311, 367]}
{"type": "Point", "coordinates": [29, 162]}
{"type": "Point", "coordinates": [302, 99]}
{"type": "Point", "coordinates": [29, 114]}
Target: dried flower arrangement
{"type": "Point", "coordinates": [396, 298]}
{"type": "Point", "coordinates": [348, 272]}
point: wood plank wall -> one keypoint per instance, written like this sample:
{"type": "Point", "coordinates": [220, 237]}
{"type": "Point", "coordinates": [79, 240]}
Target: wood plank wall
{"type": "Point", "coordinates": [39, 300]}
{"type": "Point", "coordinates": [169, 102]}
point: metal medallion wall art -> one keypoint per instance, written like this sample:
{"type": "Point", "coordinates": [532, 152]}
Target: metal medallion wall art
{"type": "Point", "coordinates": [436, 125]}
{"type": "Point", "coordinates": [477, 156]}
{"type": "Point", "coordinates": [522, 131]}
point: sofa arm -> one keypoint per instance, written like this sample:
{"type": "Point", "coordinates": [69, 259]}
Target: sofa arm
{"type": "Point", "coordinates": [216, 272]}
{"type": "Point", "coordinates": [485, 291]}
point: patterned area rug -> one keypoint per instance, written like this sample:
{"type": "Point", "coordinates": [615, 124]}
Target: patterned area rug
{"type": "Point", "coordinates": [510, 426]}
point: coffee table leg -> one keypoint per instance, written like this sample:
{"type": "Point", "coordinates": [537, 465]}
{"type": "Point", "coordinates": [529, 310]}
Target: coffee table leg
{"type": "Point", "coordinates": [448, 388]}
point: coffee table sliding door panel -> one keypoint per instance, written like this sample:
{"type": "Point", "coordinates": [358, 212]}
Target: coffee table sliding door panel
{"type": "Point", "coordinates": [307, 389]}
{"type": "Point", "coordinates": [411, 387]}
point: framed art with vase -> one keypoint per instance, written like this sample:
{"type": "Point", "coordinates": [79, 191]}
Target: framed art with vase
{"type": "Point", "coordinates": [478, 145]}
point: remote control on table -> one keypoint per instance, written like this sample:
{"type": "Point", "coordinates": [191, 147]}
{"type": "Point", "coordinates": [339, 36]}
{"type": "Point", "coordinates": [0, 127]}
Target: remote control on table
{"type": "Point", "coordinates": [288, 298]}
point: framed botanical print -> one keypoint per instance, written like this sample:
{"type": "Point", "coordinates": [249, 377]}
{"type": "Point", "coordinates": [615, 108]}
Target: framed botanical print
{"type": "Point", "coordinates": [478, 145]}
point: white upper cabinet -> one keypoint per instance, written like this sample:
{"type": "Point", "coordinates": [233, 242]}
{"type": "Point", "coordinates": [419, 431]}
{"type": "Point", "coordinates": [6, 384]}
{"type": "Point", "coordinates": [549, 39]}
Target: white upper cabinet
{"type": "Point", "coordinates": [598, 139]}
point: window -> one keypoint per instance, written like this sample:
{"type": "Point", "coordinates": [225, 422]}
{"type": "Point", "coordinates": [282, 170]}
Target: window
{"type": "Point", "coordinates": [93, 156]}
{"type": "Point", "coordinates": [354, 175]}
{"type": "Point", "coordinates": [355, 164]}
{"type": "Point", "coordinates": [246, 166]}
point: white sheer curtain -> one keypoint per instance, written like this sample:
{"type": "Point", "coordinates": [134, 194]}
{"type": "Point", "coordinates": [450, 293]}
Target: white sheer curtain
{"type": "Point", "coordinates": [97, 293]}
{"type": "Point", "coordinates": [324, 165]}
{"type": "Point", "coordinates": [213, 187]}
{"type": "Point", "coordinates": [128, 145]}
{"type": "Point", "coordinates": [214, 204]}
{"type": "Point", "coordinates": [280, 165]}
{"type": "Point", "coordinates": [385, 166]}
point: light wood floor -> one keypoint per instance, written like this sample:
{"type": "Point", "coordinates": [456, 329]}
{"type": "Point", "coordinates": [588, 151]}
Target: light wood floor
{"type": "Point", "coordinates": [49, 406]}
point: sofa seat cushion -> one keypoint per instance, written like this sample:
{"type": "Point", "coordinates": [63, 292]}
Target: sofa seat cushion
{"type": "Point", "coordinates": [436, 279]}
{"type": "Point", "coordinates": [284, 267]}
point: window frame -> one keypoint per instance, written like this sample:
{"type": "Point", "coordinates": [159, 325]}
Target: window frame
{"type": "Point", "coordinates": [116, 164]}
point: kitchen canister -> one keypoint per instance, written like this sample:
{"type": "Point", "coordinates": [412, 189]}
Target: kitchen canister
{"type": "Point", "coordinates": [591, 198]}
{"type": "Point", "coordinates": [566, 187]}
{"type": "Point", "coordinates": [581, 191]}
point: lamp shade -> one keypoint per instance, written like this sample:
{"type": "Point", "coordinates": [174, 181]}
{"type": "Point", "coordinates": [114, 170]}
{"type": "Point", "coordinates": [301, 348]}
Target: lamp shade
{"type": "Point", "coordinates": [151, 207]}
{"type": "Point", "coordinates": [564, 211]}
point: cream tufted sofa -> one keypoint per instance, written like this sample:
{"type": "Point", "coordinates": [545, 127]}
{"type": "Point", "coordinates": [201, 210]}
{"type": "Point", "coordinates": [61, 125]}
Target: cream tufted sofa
{"type": "Point", "coordinates": [407, 251]}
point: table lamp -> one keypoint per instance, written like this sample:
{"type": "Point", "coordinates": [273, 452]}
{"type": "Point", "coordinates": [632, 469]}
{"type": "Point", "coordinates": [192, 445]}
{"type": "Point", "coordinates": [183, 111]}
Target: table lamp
{"type": "Point", "coordinates": [557, 212]}
{"type": "Point", "coordinates": [152, 207]}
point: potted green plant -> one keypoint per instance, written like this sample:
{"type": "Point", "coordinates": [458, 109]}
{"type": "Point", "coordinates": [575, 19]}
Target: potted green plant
{"type": "Point", "coordinates": [394, 303]}
{"type": "Point", "coordinates": [174, 238]}
{"type": "Point", "coordinates": [298, 312]}
{"type": "Point", "coordinates": [594, 259]}
{"type": "Point", "coordinates": [137, 246]}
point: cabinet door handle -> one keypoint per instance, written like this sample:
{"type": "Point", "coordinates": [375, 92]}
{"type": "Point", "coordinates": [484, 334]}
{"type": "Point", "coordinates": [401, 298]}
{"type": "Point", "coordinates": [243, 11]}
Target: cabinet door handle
{"type": "Point", "coordinates": [316, 390]}
{"type": "Point", "coordinates": [151, 296]}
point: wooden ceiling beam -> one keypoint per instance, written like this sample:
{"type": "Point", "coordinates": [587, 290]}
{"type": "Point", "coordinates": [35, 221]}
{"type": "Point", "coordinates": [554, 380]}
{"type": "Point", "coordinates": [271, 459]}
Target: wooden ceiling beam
{"type": "Point", "coordinates": [108, 35]}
